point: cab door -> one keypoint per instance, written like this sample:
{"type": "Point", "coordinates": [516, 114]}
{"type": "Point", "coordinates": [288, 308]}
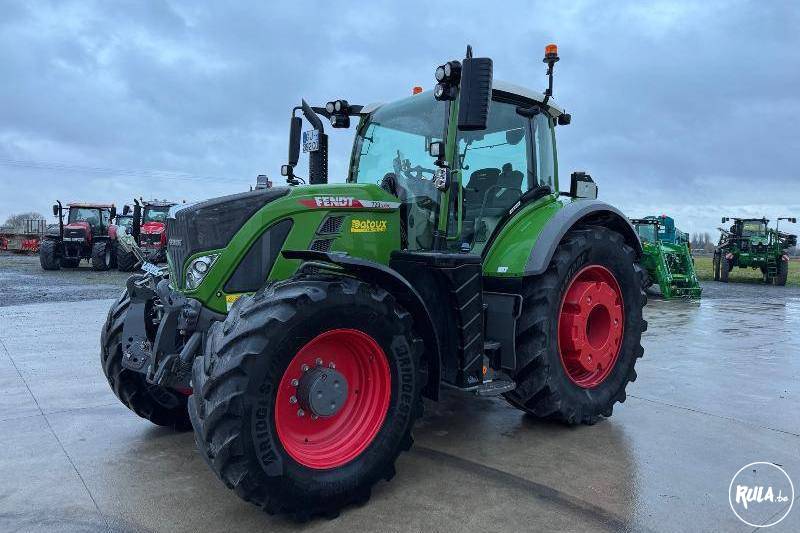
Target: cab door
{"type": "Point", "coordinates": [496, 166]}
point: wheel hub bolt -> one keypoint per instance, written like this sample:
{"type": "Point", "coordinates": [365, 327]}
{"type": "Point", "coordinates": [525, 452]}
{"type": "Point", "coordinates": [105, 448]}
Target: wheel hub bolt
{"type": "Point", "coordinates": [304, 368]}
{"type": "Point", "coordinates": [294, 384]}
{"type": "Point", "coordinates": [293, 399]}
{"type": "Point", "coordinates": [300, 412]}
{"type": "Point", "coordinates": [332, 365]}
{"type": "Point", "coordinates": [319, 361]}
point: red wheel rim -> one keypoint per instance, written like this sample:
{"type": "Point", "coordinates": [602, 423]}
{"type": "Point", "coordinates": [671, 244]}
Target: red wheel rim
{"type": "Point", "coordinates": [323, 442]}
{"type": "Point", "coordinates": [591, 323]}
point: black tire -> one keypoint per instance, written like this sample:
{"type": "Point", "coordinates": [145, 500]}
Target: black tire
{"type": "Point", "coordinates": [159, 405]}
{"type": "Point", "coordinates": [233, 405]}
{"type": "Point", "coordinates": [126, 261]}
{"type": "Point", "coordinates": [49, 257]}
{"type": "Point", "coordinates": [114, 248]}
{"type": "Point", "coordinates": [102, 252]}
{"type": "Point", "coordinates": [724, 269]}
{"type": "Point", "coordinates": [783, 272]}
{"type": "Point", "coordinates": [715, 265]}
{"type": "Point", "coordinates": [544, 388]}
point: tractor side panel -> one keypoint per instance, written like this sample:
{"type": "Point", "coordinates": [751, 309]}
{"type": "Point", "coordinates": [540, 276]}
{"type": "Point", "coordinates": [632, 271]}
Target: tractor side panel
{"type": "Point", "coordinates": [362, 220]}
{"type": "Point", "coordinates": [508, 253]}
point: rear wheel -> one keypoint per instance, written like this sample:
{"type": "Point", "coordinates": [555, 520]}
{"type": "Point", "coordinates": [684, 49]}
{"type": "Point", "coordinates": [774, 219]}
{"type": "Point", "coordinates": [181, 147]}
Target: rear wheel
{"type": "Point", "coordinates": [579, 334]}
{"type": "Point", "coordinates": [160, 405]}
{"type": "Point", "coordinates": [101, 255]}
{"type": "Point", "coordinates": [307, 393]}
{"type": "Point", "coordinates": [783, 272]}
{"type": "Point", "coordinates": [48, 255]}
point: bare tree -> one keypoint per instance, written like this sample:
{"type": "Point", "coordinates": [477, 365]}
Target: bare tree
{"type": "Point", "coordinates": [16, 220]}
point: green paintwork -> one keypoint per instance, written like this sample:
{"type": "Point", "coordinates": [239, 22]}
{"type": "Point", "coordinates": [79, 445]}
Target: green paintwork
{"type": "Point", "coordinates": [375, 246]}
{"type": "Point", "coordinates": [511, 249]}
{"type": "Point", "coordinates": [667, 258]}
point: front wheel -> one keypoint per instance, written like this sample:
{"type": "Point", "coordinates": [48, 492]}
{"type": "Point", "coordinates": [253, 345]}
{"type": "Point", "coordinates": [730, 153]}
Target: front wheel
{"type": "Point", "coordinates": [783, 272]}
{"type": "Point", "coordinates": [724, 268]}
{"type": "Point", "coordinates": [307, 393]}
{"type": "Point", "coordinates": [126, 260]}
{"type": "Point", "coordinates": [49, 257]}
{"type": "Point", "coordinates": [160, 405]}
{"type": "Point", "coordinates": [101, 255]}
{"type": "Point", "coordinates": [579, 334]}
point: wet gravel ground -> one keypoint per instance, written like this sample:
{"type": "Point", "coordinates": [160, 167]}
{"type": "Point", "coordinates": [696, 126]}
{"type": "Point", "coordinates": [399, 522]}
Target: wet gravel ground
{"type": "Point", "coordinates": [22, 281]}
{"type": "Point", "coordinates": [718, 388]}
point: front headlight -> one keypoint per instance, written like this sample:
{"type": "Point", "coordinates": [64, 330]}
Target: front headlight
{"type": "Point", "coordinates": [198, 269]}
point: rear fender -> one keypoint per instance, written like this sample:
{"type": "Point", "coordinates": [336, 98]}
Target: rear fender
{"type": "Point", "coordinates": [526, 243]}
{"type": "Point", "coordinates": [399, 287]}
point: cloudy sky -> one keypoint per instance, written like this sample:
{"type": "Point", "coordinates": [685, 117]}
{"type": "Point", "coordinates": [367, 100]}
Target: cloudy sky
{"type": "Point", "coordinates": [691, 109]}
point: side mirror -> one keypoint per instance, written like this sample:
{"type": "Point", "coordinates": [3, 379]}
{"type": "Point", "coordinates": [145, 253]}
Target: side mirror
{"type": "Point", "coordinates": [126, 209]}
{"type": "Point", "coordinates": [476, 93]}
{"type": "Point", "coordinates": [55, 210]}
{"type": "Point", "coordinates": [793, 220]}
{"type": "Point", "coordinates": [582, 186]}
{"type": "Point", "coordinates": [295, 131]}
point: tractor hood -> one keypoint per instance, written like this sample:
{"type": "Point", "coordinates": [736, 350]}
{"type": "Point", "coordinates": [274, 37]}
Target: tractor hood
{"type": "Point", "coordinates": [211, 224]}
{"type": "Point", "coordinates": [79, 230]}
{"type": "Point", "coordinates": [153, 228]}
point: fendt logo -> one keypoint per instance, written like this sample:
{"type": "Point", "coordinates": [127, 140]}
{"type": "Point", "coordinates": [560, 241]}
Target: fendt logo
{"type": "Point", "coordinates": [761, 494]}
{"type": "Point", "coordinates": [347, 202]}
{"type": "Point", "coordinates": [334, 201]}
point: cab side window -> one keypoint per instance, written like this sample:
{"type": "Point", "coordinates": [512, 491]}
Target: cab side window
{"type": "Point", "coordinates": [545, 153]}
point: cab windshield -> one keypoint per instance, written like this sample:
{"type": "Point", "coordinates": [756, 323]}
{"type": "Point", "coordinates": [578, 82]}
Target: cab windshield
{"type": "Point", "coordinates": [155, 213]}
{"type": "Point", "coordinates": [391, 150]}
{"type": "Point", "coordinates": [84, 214]}
{"type": "Point", "coordinates": [647, 232]}
{"type": "Point", "coordinates": [753, 228]}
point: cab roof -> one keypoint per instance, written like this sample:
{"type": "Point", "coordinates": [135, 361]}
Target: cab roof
{"type": "Point", "coordinates": [499, 88]}
{"type": "Point", "coordinates": [90, 205]}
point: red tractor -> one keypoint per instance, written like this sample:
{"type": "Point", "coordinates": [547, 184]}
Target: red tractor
{"type": "Point", "coordinates": [148, 228]}
{"type": "Point", "coordinates": [87, 234]}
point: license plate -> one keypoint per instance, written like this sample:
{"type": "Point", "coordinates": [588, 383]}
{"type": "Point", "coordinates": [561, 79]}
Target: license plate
{"type": "Point", "coordinates": [310, 141]}
{"type": "Point", "coordinates": [150, 268]}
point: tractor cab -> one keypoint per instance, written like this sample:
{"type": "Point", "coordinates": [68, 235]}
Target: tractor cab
{"type": "Point", "coordinates": [89, 219]}
{"type": "Point", "coordinates": [149, 230]}
{"type": "Point", "coordinates": [648, 229]}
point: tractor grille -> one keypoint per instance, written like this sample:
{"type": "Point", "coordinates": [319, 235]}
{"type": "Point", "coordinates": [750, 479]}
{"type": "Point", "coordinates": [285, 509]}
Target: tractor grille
{"type": "Point", "coordinates": [331, 225]}
{"type": "Point", "coordinates": [321, 245]}
{"type": "Point", "coordinates": [210, 225]}
{"type": "Point", "coordinates": [150, 238]}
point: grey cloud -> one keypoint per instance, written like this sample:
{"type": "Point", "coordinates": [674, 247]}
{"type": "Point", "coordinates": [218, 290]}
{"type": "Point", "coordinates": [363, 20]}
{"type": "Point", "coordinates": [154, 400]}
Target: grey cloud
{"type": "Point", "coordinates": [676, 105]}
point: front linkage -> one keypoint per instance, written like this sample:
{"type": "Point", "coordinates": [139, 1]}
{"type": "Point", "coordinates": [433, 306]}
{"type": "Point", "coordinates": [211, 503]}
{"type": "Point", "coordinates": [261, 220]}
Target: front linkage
{"type": "Point", "coordinates": [179, 323]}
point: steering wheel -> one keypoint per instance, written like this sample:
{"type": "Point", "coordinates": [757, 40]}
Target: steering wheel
{"type": "Point", "coordinates": [402, 167]}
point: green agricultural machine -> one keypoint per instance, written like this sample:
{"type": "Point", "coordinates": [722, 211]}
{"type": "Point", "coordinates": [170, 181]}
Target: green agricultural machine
{"type": "Point", "coordinates": [751, 243]}
{"type": "Point", "coordinates": [667, 257]}
{"type": "Point", "coordinates": [297, 329]}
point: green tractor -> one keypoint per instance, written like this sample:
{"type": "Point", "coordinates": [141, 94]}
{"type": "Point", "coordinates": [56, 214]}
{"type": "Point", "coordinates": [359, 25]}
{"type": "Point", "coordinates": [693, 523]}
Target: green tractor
{"type": "Point", "coordinates": [297, 329]}
{"type": "Point", "coordinates": [667, 257]}
{"type": "Point", "coordinates": [751, 243]}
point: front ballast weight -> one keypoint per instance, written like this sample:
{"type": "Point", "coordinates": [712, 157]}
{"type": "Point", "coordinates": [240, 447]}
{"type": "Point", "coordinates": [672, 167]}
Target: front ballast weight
{"type": "Point", "coordinates": [163, 331]}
